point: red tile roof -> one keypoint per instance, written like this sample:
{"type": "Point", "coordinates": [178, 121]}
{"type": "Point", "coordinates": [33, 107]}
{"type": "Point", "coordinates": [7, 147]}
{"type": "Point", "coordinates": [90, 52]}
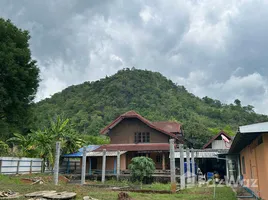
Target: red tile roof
{"type": "Point", "coordinates": [172, 127]}
{"type": "Point", "coordinates": [135, 147]}
{"type": "Point", "coordinates": [133, 114]}
{"type": "Point", "coordinates": [215, 137]}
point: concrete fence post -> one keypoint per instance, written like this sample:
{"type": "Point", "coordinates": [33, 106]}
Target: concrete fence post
{"type": "Point", "coordinates": [56, 164]}
{"type": "Point", "coordinates": [193, 166]}
{"type": "Point", "coordinates": [103, 166]}
{"type": "Point", "coordinates": [118, 166]}
{"type": "Point", "coordinates": [83, 172]}
{"type": "Point", "coordinates": [18, 167]}
{"type": "Point", "coordinates": [188, 165]}
{"type": "Point", "coordinates": [31, 166]}
{"type": "Point", "coordinates": [172, 166]}
{"type": "Point", "coordinates": [182, 174]}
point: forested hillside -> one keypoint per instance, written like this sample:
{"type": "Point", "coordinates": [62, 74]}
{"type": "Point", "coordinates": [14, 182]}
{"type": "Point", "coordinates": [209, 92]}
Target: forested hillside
{"type": "Point", "coordinates": [92, 105]}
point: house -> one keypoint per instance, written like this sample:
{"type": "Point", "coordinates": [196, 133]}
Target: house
{"type": "Point", "coordinates": [133, 136]}
{"type": "Point", "coordinates": [251, 145]}
{"type": "Point", "coordinates": [213, 156]}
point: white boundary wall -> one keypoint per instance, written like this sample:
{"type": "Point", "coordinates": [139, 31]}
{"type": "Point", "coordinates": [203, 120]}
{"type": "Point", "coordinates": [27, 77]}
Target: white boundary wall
{"type": "Point", "coordinates": [16, 165]}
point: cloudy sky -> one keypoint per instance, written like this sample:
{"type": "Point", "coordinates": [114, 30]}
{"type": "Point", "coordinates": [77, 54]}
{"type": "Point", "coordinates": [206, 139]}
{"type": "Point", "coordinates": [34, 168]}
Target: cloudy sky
{"type": "Point", "coordinates": [214, 48]}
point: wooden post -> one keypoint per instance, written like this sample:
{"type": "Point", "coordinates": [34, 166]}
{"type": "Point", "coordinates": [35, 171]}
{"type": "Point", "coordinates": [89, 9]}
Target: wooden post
{"type": "Point", "coordinates": [68, 166]}
{"type": "Point", "coordinates": [18, 166]}
{"type": "Point", "coordinates": [172, 166]}
{"type": "Point", "coordinates": [0, 166]}
{"type": "Point", "coordinates": [118, 166]}
{"type": "Point", "coordinates": [103, 166]}
{"type": "Point", "coordinates": [84, 160]}
{"type": "Point", "coordinates": [31, 166]}
{"type": "Point", "coordinates": [193, 166]}
{"type": "Point", "coordinates": [90, 166]}
{"type": "Point", "coordinates": [188, 165]}
{"type": "Point", "coordinates": [56, 165]}
{"type": "Point", "coordinates": [182, 175]}
{"type": "Point", "coordinates": [163, 161]}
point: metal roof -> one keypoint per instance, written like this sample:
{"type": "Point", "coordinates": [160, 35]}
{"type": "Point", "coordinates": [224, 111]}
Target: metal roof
{"type": "Point", "coordinates": [80, 151]}
{"type": "Point", "coordinates": [135, 147]}
{"type": "Point", "coordinates": [246, 134]}
{"type": "Point", "coordinates": [99, 154]}
{"type": "Point", "coordinates": [254, 128]}
{"type": "Point", "coordinates": [212, 153]}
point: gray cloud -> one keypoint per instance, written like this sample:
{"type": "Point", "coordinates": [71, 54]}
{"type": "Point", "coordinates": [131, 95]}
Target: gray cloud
{"type": "Point", "coordinates": [214, 48]}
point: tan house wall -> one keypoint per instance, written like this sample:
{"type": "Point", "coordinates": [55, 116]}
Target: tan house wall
{"type": "Point", "coordinates": [110, 162]}
{"type": "Point", "coordinates": [123, 162]}
{"type": "Point", "coordinates": [124, 132]}
{"type": "Point", "coordinates": [256, 163]}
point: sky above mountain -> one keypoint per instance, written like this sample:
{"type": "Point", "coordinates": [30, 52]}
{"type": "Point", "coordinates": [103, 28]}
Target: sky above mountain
{"type": "Point", "coordinates": [213, 48]}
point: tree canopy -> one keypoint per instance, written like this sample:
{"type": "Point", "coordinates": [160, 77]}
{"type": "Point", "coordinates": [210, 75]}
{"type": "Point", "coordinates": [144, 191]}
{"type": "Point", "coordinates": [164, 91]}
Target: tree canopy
{"type": "Point", "coordinates": [93, 105]}
{"type": "Point", "coordinates": [19, 77]}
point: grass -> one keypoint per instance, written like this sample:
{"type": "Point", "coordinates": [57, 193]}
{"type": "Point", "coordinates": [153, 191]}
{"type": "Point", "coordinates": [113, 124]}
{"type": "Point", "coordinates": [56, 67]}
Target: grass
{"type": "Point", "coordinates": [14, 183]}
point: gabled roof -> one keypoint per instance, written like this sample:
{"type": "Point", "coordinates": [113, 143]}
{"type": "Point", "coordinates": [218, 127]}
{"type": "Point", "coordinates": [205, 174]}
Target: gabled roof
{"type": "Point", "coordinates": [135, 147]}
{"type": "Point", "coordinates": [172, 127]}
{"type": "Point", "coordinates": [215, 137]}
{"type": "Point", "coordinates": [133, 114]}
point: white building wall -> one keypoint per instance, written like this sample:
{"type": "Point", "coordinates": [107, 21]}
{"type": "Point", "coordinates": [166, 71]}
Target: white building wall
{"type": "Point", "coordinates": [220, 144]}
{"type": "Point", "coordinates": [16, 165]}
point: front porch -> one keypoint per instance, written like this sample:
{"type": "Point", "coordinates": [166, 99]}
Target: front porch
{"type": "Point", "coordinates": [94, 163]}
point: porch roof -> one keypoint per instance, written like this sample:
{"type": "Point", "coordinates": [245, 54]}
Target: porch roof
{"type": "Point", "coordinates": [204, 153]}
{"type": "Point", "coordinates": [80, 151]}
{"type": "Point", "coordinates": [100, 154]}
{"type": "Point", "coordinates": [135, 147]}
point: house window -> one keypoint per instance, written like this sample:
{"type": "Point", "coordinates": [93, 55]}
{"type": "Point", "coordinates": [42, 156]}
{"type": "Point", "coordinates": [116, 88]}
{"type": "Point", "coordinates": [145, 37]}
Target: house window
{"type": "Point", "coordinates": [158, 158]}
{"type": "Point", "coordinates": [142, 137]}
{"type": "Point", "coordinates": [243, 165]}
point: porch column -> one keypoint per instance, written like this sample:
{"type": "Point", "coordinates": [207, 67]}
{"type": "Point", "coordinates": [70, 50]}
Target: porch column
{"type": "Point", "coordinates": [103, 166]}
{"type": "Point", "coordinates": [188, 164]}
{"type": "Point", "coordinates": [182, 175]}
{"type": "Point", "coordinates": [115, 165]}
{"type": "Point", "coordinates": [193, 166]}
{"type": "Point", "coordinates": [163, 161]}
{"type": "Point", "coordinates": [172, 166]}
{"type": "Point", "coordinates": [118, 165]}
{"type": "Point", "coordinates": [84, 160]}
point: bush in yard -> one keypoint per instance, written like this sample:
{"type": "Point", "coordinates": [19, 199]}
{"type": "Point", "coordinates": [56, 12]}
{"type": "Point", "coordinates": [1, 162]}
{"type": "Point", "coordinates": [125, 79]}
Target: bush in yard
{"type": "Point", "coordinates": [141, 167]}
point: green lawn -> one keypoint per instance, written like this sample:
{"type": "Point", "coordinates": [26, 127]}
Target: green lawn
{"type": "Point", "coordinates": [14, 183]}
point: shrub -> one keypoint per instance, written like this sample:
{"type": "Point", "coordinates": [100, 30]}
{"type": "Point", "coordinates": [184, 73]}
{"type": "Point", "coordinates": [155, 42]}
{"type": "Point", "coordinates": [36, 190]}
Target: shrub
{"type": "Point", "coordinates": [141, 167]}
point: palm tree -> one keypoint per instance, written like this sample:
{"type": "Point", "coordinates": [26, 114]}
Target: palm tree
{"type": "Point", "coordinates": [3, 148]}
{"type": "Point", "coordinates": [44, 145]}
{"type": "Point", "coordinates": [23, 142]}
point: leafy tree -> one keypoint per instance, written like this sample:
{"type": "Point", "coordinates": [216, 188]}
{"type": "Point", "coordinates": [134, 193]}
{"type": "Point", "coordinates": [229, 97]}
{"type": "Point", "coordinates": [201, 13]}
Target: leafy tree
{"type": "Point", "coordinates": [227, 129]}
{"type": "Point", "coordinates": [19, 77]}
{"type": "Point", "coordinates": [141, 167]}
{"type": "Point", "coordinates": [41, 143]}
{"type": "Point", "coordinates": [237, 102]}
{"type": "Point", "coordinates": [3, 148]}
{"type": "Point", "coordinates": [24, 143]}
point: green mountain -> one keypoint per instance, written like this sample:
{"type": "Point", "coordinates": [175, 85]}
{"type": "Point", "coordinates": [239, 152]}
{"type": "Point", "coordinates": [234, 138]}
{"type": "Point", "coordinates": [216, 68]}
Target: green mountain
{"type": "Point", "coordinates": [92, 105]}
